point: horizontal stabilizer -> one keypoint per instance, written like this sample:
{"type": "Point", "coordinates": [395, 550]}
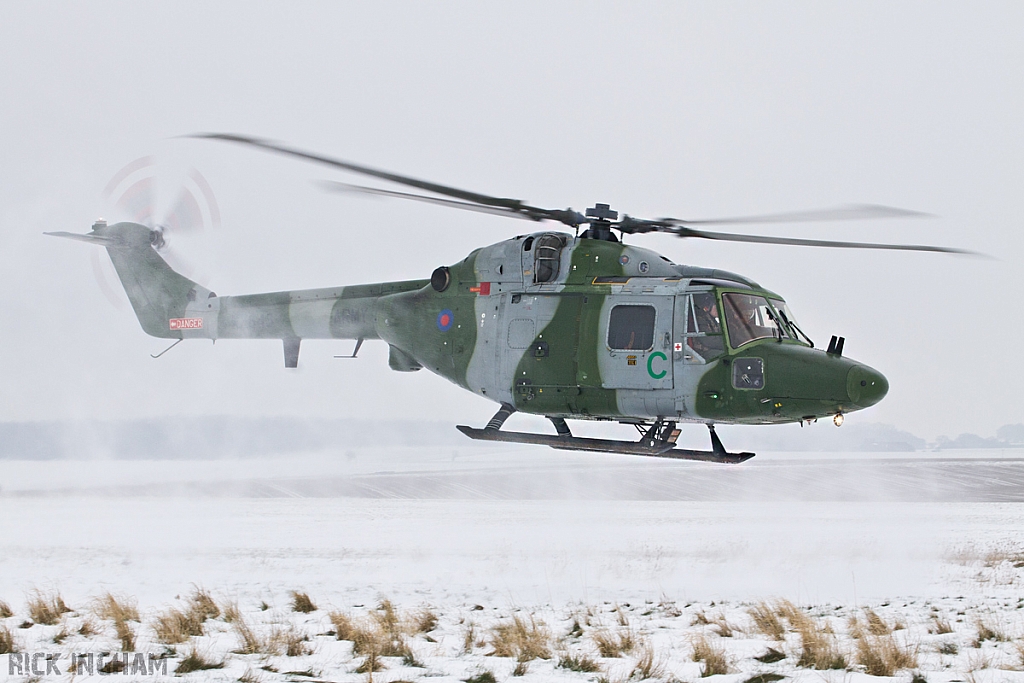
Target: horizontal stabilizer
{"type": "Point", "coordinates": [92, 239]}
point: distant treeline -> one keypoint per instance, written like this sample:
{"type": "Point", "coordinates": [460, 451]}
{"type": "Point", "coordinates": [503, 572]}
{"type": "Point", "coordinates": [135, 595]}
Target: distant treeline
{"type": "Point", "coordinates": [1007, 436]}
{"type": "Point", "coordinates": [211, 437]}
{"type": "Point", "coordinates": [864, 437]}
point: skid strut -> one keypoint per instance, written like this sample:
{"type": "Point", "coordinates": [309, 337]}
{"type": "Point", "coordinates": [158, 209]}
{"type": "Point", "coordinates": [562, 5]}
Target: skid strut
{"type": "Point", "coordinates": [658, 440]}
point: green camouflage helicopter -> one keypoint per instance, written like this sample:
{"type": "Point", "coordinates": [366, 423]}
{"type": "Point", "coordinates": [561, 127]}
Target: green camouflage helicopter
{"type": "Point", "coordinates": [566, 326]}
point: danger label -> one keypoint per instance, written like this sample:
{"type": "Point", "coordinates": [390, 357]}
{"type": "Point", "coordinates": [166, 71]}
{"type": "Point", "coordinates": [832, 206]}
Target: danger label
{"type": "Point", "coordinates": [186, 323]}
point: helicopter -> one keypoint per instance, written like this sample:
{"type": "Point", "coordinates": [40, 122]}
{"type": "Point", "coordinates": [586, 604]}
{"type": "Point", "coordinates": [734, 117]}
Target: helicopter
{"type": "Point", "coordinates": [574, 326]}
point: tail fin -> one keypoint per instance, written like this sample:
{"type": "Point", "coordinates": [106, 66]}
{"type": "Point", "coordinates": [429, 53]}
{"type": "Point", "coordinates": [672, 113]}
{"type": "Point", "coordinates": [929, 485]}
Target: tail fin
{"type": "Point", "coordinates": [167, 304]}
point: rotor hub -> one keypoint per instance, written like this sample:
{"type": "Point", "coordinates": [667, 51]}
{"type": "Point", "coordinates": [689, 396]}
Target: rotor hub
{"type": "Point", "coordinates": [601, 217]}
{"type": "Point", "coordinates": [602, 212]}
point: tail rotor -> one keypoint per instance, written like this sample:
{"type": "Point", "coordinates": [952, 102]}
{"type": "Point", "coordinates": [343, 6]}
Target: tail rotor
{"type": "Point", "coordinates": [169, 203]}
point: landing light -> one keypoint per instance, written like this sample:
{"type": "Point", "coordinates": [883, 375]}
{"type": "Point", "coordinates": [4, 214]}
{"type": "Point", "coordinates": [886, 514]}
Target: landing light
{"type": "Point", "coordinates": [838, 419]}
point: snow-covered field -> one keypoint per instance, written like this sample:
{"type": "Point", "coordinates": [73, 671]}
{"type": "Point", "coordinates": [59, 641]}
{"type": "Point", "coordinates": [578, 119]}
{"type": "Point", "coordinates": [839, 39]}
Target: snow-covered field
{"type": "Point", "coordinates": [583, 550]}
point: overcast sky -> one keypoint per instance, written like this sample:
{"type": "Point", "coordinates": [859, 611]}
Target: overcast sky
{"type": "Point", "coordinates": [684, 109]}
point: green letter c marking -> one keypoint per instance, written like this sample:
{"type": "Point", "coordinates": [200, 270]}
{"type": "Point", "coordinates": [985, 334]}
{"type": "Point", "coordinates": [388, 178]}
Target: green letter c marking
{"type": "Point", "coordinates": [650, 368]}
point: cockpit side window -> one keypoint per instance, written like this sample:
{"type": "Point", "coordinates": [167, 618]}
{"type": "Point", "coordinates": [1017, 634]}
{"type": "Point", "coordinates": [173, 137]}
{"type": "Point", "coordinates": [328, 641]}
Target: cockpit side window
{"type": "Point", "coordinates": [703, 329]}
{"type": "Point", "coordinates": [704, 314]}
{"type": "Point", "coordinates": [547, 257]}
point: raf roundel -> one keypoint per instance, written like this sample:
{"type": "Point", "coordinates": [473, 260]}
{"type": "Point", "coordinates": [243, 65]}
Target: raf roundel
{"type": "Point", "coordinates": [444, 320]}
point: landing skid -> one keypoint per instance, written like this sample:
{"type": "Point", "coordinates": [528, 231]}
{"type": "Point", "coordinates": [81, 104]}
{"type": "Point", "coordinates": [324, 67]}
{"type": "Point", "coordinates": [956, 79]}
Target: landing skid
{"type": "Point", "coordinates": [658, 441]}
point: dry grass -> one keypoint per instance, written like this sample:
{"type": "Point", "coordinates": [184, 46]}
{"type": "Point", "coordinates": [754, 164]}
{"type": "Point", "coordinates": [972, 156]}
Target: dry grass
{"type": "Point", "coordinates": [126, 634]}
{"type": "Point", "coordinates": [194, 661]}
{"type": "Point", "coordinates": [250, 676]}
{"type": "Point", "coordinates": [379, 635]}
{"type": "Point", "coordinates": [387, 616]}
{"type": "Point", "coordinates": [988, 631]}
{"type": "Point", "coordinates": [87, 629]}
{"type": "Point", "coordinates": [231, 612]}
{"type": "Point", "coordinates": [46, 609]}
{"type": "Point", "coordinates": [647, 666]}
{"type": "Point", "coordinates": [482, 677]}
{"type": "Point", "coordinates": [875, 624]}
{"type": "Point", "coordinates": [976, 661]}
{"type": "Point", "coordinates": [114, 609]}
{"type": "Point", "coordinates": [614, 644]}
{"type": "Point", "coordinates": [7, 645]}
{"type": "Point", "coordinates": [797, 618]}
{"type": "Point", "coordinates": [274, 641]}
{"type": "Point", "coordinates": [202, 604]}
{"type": "Point", "coordinates": [581, 663]}
{"type": "Point", "coordinates": [522, 639]}
{"type": "Point", "coordinates": [114, 666]}
{"type": "Point", "coordinates": [301, 602]}
{"type": "Point", "coordinates": [670, 609]}
{"type": "Point", "coordinates": [342, 625]}
{"type": "Point", "coordinates": [423, 620]}
{"type": "Point", "coordinates": [819, 648]}
{"type": "Point", "coordinates": [61, 635]}
{"type": "Point", "coordinates": [995, 558]}
{"type": "Point", "coordinates": [940, 626]}
{"type": "Point", "coordinates": [884, 655]}
{"type": "Point", "coordinates": [370, 664]}
{"type": "Point", "coordinates": [5, 610]}
{"type": "Point", "coordinates": [771, 656]}
{"type": "Point", "coordinates": [295, 643]}
{"type": "Point", "coordinates": [371, 639]}
{"type": "Point", "coordinates": [1019, 647]}
{"type": "Point", "coordinates": [120, 611]}
{"type": "Point", "coordinates": [469, 638]}
{"type": "Point", "coordinates": [710, 655]}
{"type": "Point", "coordinates": [723, 627]}
{"type": "Point", "coordinates": [250, 642]}
{"type": "Point", "coordinates": [177, 626]}
{"type": "Point", "coordinates": [767, 621]}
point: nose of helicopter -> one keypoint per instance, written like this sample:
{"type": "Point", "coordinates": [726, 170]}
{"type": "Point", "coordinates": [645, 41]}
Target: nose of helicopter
{"type": "Point", "coordinates": [866, 386]}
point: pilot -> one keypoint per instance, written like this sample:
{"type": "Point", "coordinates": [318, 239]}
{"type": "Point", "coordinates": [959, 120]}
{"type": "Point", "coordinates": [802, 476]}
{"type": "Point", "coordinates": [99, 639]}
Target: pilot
{"type": "Point", "coordinates": [706, 314]}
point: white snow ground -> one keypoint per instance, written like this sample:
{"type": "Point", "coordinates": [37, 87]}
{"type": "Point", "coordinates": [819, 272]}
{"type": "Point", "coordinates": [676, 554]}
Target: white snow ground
{"type": "Point", "coordinates": [551, 534]}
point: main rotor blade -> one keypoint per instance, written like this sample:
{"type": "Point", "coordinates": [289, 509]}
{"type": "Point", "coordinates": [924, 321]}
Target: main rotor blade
{"type": "Point", "coordinates": [335, 186]}
{"type": "Point", "coordinates": [792, 241]}
{"type": "Point", "coordinates": [91, 239]}
{"type": "Point", "coordinates": [853, 212]}
{"type": "Point", "coordinates": [516, 205]}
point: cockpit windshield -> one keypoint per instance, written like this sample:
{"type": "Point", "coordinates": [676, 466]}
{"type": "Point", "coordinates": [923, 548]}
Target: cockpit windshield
{"type": "Point", "coordinates": [749, 317]}
{"type": "Point", "coordinates": [789, 322]}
